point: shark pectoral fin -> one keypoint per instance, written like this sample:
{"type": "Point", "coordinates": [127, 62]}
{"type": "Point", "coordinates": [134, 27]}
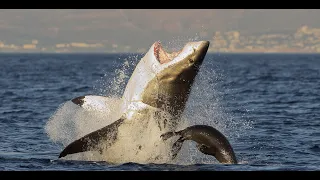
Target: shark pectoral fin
{"type": "Point", "coordinates": [176, 147]}
{"type": "Point", "coordinates": [92, 102]}
{"type": "Point", "coordinates": [94, 139]}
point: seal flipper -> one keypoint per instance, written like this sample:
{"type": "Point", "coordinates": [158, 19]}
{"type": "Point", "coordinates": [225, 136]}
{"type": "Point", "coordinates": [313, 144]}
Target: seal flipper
{"type": "Point", "coordinates": [167, 135]}
{"type": "Point", "coordinates": [176, 147]}
{"type": "Point", "coordinates": [91, 141]}
{"type": "Point", "coordinates": [206, 150]}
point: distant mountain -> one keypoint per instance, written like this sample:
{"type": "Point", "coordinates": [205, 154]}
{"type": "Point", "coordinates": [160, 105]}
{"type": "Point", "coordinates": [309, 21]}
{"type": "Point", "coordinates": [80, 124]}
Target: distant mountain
{"type": "Point", "coordinates": [140, 28]}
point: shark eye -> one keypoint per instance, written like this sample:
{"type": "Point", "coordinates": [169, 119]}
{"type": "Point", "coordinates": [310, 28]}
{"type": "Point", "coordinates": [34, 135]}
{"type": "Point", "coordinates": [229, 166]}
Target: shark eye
{"type": "Point", "coordinates": [191, 60]}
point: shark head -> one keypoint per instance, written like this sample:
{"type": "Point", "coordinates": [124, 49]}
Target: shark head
{"type": "Point", "coordinates": [164, 80]}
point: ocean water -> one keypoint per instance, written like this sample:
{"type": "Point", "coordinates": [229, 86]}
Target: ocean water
{"type": "Point", "coordinates": [268, 105]}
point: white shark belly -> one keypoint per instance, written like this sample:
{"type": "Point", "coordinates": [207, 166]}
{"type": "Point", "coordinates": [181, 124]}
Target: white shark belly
{"type": "Point", "coordinates": [141, 76]}
{"type": "Point", "coordinates": [140, 133]}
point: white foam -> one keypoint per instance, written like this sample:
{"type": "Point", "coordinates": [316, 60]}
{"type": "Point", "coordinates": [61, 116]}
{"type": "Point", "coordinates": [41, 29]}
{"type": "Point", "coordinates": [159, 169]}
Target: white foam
{"type": "Point", "coordinates": [71, 122]}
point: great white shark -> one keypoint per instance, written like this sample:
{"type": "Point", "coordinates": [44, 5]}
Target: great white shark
{"type": "Point", "coordinates": [153, 102]}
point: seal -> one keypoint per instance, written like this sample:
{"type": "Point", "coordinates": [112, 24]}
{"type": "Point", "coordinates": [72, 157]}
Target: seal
{"type": "Point", "coordinates": [160, 83]}
{"type": "Point", "coordinates": [209, 141]}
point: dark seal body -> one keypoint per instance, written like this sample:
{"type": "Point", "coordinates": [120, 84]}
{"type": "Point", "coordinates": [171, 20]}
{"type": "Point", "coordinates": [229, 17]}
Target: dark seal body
{"type": "Point", "coordinates": [209, 141]}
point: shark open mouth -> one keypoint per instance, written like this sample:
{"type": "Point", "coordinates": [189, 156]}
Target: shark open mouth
{"type": "Point", "coordinates": [164, 56]}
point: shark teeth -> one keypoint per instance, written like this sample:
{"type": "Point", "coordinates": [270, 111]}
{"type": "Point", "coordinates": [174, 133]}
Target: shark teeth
{"type": "Point", "coordinates": [163, 56]}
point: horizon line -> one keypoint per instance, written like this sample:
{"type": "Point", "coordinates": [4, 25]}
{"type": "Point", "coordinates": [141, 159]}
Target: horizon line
{"type": "Point", "coordinates": [142, 53]}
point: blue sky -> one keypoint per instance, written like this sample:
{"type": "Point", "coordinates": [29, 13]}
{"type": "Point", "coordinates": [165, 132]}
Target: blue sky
{"type": "Point", "coordinates": [135, 29]}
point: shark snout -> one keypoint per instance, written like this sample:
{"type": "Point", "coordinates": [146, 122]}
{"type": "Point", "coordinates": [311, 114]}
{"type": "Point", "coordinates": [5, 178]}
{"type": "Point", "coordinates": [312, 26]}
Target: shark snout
{"type": "Point", "coordinates": [199, 45]}
{"type": "Point", "coordinates": [200, 49]}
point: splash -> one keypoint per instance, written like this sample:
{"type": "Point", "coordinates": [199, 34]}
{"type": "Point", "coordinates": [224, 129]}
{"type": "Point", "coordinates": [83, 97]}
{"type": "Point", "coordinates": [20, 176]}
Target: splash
{"type": "Point", "coordinates": [205, 106]}
{"type": "Point", "coordinates": [114, 87]}
{"type": "Point", "coordinates": [177, 43]}
{"type": "Point", "coordinates": [140, 140]}
{"type": "Point", "coordinates": [70, 122]}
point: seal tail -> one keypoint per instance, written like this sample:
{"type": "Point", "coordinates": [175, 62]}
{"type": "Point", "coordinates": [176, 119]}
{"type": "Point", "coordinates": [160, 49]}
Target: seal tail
{"type": "Point", "coordinates": [92, 140]}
